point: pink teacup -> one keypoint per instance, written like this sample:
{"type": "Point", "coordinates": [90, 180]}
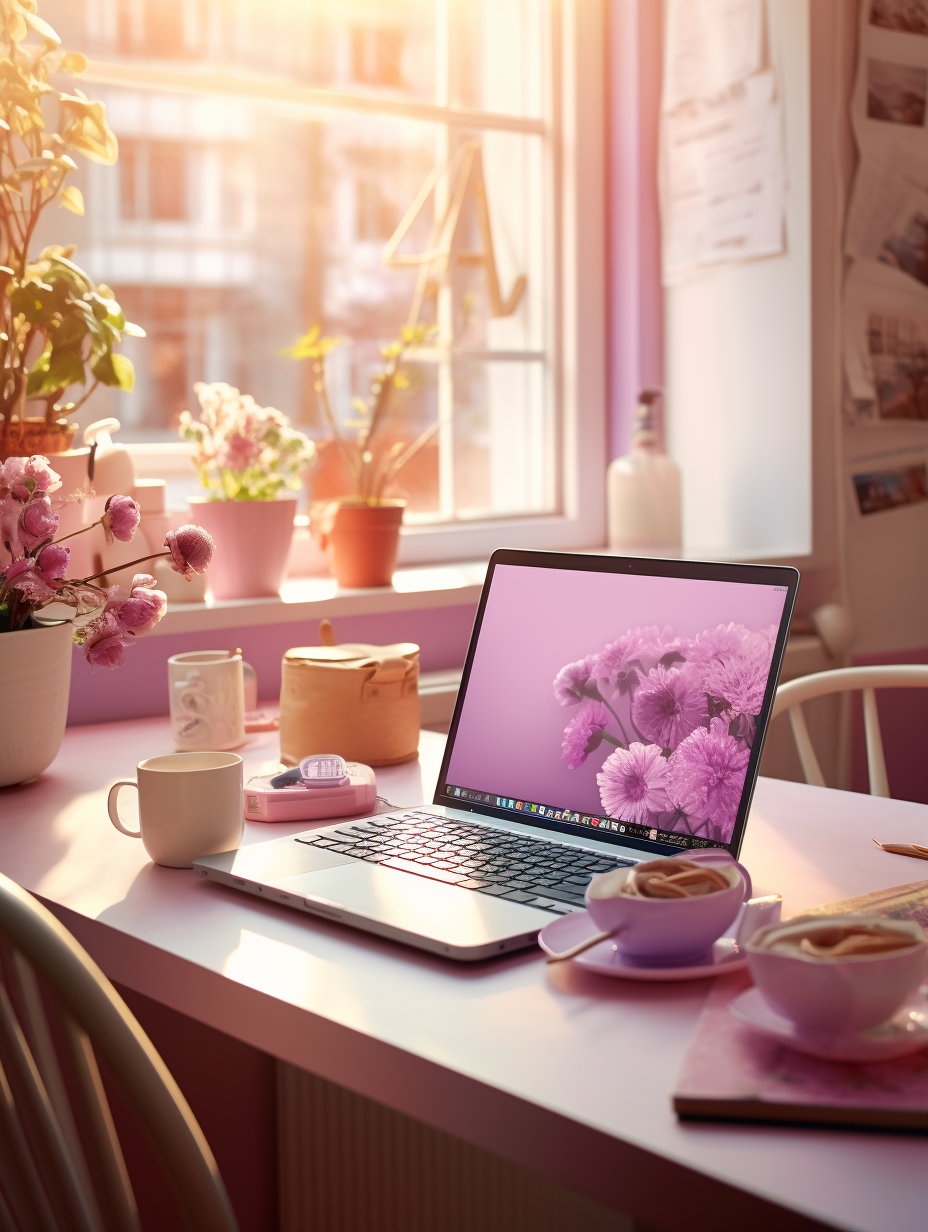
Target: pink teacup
{"type": "Point", "coordinates": [836, 995]}
{"type": "Point", "coordinates": [669, 930]}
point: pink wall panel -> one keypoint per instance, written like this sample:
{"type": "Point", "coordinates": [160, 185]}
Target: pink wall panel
{"type": "Point", "coordinates": [139, 688]}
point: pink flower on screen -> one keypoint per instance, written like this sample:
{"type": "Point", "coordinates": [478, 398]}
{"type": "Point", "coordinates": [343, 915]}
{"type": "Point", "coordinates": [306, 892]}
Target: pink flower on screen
{"type": "Point", "coordinates": [37, 521]}
{"type": "Point", "coordinates": [741, 681]}
{"type": "Point", "coordinates": [53, 560]}
{"type": "Point", "coordinates": [583, 734]}
{"type": "Point", "coordinates": [633, 783]}
{"type": "Point", "coordinates": [707, 775]}
{"type": "Point", "coordinates": [570, 680]}
{"type": "Point", "coordinates": [615, 658]}
{"type": "Point", "coordinates": [120, 518]}
{"type": "Point", "coordinates": [191, 549]}
{"type": "Point", "coordinates": [718, 643]}
{"type": "Point", "coordinates": [668, 706]}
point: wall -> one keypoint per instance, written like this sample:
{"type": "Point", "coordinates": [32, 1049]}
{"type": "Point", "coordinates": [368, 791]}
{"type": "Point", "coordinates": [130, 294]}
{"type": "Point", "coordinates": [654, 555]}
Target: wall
{"type": "Point", "coordinates": [139, 687]}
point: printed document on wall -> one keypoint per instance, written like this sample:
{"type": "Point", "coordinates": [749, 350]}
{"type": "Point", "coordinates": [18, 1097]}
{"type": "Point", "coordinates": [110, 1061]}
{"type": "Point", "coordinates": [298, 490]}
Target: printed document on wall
{"type": "Point", "coordinates": [722, 178]}
{"type": "Point", "coordinates": [711, 44]}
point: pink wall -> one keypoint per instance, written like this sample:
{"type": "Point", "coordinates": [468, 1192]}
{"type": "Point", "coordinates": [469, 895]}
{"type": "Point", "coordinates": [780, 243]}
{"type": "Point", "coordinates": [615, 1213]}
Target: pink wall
{"type": "Point", "coordinates": [139, 687]}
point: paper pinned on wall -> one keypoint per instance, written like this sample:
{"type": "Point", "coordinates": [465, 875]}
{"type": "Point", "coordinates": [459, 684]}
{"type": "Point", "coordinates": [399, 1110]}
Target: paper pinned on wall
{"type": "Point", "coordinates": [885, 339]}
{"type": "Point", "coordinates": [722, 178]}
{"type": "Point", "coordinates": [711, 44]}
{"type": "Point", "coordinates": [886, 344]}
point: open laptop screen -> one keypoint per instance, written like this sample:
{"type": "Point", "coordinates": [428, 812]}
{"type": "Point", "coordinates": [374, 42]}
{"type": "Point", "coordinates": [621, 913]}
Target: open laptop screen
{"type": "Point", "coordinates": [626, 699]}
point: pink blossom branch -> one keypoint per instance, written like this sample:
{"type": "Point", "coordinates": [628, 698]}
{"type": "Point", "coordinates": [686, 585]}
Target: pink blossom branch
{"type": "Point", "coordinates": [128, 565]}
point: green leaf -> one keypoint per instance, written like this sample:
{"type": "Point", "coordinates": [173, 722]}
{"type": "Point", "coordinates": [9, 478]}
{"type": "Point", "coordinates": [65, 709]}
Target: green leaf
{"type": "Point", "coordinates": [114, 369]}
{"type": "Point", "coordinates": [72, 199]}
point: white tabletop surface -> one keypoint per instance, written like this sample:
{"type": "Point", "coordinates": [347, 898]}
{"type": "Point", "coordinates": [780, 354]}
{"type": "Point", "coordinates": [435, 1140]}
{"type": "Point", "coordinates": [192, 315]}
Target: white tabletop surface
{"type": "Point", "coordinates": [566, 1072]}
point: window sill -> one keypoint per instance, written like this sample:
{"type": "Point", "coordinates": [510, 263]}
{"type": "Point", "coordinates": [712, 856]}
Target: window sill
{"type": "Point", "coordinates": [312, 598]}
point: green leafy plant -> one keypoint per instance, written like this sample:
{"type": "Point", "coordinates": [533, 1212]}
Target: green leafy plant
{"type": "Point", "coordinates": [372, 462]}
{"type": "Point", "coordinates": [57, 328]}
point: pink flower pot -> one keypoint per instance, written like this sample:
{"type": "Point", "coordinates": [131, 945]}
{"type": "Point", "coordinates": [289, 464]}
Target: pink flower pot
{"type": "Point", "coordinates": [252, 541]}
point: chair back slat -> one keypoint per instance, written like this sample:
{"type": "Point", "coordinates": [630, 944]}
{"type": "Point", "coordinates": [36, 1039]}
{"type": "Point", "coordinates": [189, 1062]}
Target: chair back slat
{"type": "Point", "coordinates": [19, 1177]}
{"type": "Point", "coordinates": [73, 1209]}
{"type": "Point", "coordinates": [94, 1021]}
{"type": "Point", "coordinates": [810, 767]}
{"type": "Point", "coordinates": [26, 996]}
{"type": "Point", "coordinates": [791, 695]}
{"type": "Point", "coordinates": [876, 762]}
{"type": "Point", "coordinates": [108, 1166]}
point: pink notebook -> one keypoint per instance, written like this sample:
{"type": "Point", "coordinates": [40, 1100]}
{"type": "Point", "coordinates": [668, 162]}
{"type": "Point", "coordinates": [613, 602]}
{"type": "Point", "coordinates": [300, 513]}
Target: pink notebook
{"type": "Point", "coordinates": [732, 1073]}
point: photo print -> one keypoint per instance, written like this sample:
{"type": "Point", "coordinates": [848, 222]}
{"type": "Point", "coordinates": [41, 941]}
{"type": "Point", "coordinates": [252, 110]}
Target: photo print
{"type": "Point", "coordinates": [898, 351]}
{"type": "Point", "coordinates": [907, 16]}
{"type": "Point", "coordinates": [878, 491]}
{"type": "Point", "coordinates": [907, 248]}
{"type": "Point", "coordinates": [896, 93]}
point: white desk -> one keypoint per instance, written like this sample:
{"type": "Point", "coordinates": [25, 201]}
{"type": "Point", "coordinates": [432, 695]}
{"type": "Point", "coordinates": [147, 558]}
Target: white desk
{"type": "Point", "coordinates": [565, 1073]}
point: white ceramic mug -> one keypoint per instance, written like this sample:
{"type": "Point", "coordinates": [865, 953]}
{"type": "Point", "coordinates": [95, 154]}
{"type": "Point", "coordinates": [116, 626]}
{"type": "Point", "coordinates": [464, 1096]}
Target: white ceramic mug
{"type": "Point", "coordinates": [207, 700]}
{"type": "Point", "coordinates": [190, 805]}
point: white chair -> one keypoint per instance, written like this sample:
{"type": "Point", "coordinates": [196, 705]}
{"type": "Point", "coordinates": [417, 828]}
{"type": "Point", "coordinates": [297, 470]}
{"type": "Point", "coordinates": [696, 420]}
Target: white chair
{"type": "Point", "coordinates": [791, 695]}
{"type": "Point", "coordinates": [61, 1166]}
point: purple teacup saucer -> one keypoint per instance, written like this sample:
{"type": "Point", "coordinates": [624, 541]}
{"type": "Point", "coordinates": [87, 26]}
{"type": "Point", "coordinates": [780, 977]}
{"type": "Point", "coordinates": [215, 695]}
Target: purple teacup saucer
{"type": "Point", "coordinates": [905, 1032]}
{"type": "Point", "coordinates": [570, 930]}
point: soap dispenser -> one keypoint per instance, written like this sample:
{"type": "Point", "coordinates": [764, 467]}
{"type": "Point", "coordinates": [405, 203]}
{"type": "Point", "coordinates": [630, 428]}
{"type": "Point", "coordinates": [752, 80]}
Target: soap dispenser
{"type": "Point", "coordinates": [643, 491]}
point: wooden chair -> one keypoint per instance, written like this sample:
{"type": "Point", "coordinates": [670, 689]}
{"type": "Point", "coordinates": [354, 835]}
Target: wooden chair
{"type": "Point", "coordinates": [61, 1167]}
{"type": "Point", "coordinates": [791, 695]}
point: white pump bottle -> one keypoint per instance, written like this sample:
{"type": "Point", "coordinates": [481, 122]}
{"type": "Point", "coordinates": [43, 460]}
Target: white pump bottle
{"type": "Point", "coordinates": [643, 492]}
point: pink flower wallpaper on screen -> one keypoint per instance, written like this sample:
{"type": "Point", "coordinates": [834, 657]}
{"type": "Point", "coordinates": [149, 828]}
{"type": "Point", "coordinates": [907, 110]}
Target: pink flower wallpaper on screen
{"type": "Point", "coordinates": [623, 696]}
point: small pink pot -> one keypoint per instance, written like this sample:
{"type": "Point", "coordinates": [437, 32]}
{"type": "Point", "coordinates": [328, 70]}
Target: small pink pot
{"type": "Point", "coordinates": [252, 541]}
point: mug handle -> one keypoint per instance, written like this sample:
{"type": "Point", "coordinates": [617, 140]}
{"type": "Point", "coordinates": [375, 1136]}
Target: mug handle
{"type": "Point", "coordinates": [112, 807]}
{"type": "Point", "coordinates": [721, 856]}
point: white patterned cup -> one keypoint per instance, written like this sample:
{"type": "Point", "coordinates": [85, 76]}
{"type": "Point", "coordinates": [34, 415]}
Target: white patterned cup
{"type": "Point", "coordinates": [207, 700]}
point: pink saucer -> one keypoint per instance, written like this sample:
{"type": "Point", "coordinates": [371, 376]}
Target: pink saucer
{"type": "Point", "coordinates": [905, 1032]}
{"type": "Point", "coordinates": [605, 959]}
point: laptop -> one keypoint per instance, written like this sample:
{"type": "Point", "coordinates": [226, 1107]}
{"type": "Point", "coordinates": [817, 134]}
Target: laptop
{"type": "Point", "coordinates": [612, 710]}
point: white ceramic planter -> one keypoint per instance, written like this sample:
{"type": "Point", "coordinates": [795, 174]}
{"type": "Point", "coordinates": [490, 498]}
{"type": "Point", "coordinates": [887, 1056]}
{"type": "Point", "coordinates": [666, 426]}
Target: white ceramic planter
{"type": "Point", "coordinates": [35, 680]}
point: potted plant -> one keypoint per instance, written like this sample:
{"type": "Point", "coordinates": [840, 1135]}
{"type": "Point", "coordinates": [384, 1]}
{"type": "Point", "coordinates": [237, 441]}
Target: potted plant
{"type": "Point", "coordinates": [248, 458]}
{"type": "Point", "coordinates": [361, 530]}
{"type": "Point", "coordinates": [57, 328]}
{"type": "Point", "coordinates": [42, 612]}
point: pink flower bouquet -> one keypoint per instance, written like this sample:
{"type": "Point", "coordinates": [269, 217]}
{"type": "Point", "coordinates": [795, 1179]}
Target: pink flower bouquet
{"type": "Point", "coordinates": [678, 718]}
{"type": "Point", "coordinates": [244, 451]}
{"type": "Point", "coordinates": [106, 619]}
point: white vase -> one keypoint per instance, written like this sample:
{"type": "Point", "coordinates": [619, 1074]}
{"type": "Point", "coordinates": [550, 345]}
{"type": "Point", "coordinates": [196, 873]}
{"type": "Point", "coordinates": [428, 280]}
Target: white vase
{"type": "Point", "coordinates": [35, 680]}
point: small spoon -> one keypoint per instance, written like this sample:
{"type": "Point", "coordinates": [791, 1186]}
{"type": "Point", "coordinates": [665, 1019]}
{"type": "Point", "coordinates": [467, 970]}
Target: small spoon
{"type": "Point", "coordinates": [586, 944]}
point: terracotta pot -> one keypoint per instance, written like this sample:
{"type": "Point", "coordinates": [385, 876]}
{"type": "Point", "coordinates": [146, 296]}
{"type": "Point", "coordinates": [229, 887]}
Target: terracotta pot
{"type": "Point", "coordinates": [252, 545]}
{"type": "Point", "coordinates": [35, 680]}
{"type": "Point", "coordinates": [362, 541]}
{"type": "Point", "coordinates": [21, 438]}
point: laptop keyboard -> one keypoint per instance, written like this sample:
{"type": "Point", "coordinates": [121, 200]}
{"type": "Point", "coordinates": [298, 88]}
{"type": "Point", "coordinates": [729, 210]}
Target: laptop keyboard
{"type": "Point", "coordinates": [549, 875]}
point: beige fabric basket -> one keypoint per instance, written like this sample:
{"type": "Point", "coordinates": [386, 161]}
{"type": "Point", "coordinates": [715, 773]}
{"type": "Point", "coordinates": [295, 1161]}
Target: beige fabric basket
{"type": "Point", "coordinates": [357, 700]}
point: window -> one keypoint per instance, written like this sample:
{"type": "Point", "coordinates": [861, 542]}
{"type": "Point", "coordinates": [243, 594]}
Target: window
{"type": "Point", "coordinates": [260, 179]}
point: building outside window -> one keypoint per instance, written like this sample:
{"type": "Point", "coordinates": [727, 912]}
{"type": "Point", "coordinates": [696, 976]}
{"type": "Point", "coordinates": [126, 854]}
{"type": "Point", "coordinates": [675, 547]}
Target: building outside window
{"type": "Point", "coordinates": [268, 151]}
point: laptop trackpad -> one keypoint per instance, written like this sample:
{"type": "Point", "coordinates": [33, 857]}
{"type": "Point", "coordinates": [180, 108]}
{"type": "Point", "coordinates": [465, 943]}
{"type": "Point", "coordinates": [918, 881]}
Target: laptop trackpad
{"type": "Point", "coordinates": [413, 904]}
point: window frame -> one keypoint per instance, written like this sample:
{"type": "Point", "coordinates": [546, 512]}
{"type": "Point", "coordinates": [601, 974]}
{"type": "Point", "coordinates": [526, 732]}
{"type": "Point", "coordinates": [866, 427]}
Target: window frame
{"type": "Point", "coordinates": [574, 124]}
